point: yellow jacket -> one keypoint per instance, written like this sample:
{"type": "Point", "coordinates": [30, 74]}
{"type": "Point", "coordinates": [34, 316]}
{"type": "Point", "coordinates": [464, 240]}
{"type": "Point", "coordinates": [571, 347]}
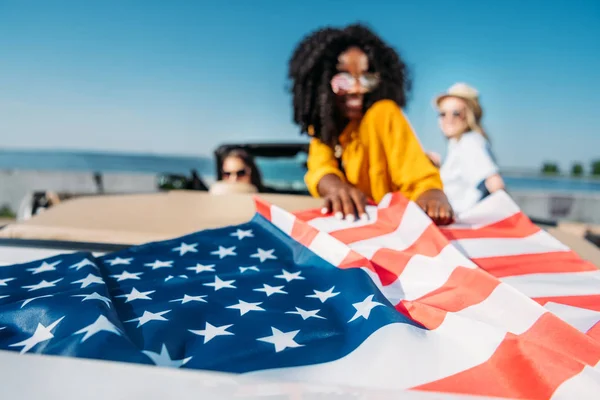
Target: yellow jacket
{"type": "Point", "coordinates": [381, 154]}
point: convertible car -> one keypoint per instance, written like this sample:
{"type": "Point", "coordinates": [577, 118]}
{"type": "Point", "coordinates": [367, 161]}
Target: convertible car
{"type": "Point", "coordinates": [282, 166]}
{"type": "Point", "coordinates": [107, 221]}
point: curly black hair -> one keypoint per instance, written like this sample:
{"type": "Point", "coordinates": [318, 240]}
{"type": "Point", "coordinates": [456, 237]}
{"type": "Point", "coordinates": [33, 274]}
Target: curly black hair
{"type": "Point", "coordinates": [313, 64]}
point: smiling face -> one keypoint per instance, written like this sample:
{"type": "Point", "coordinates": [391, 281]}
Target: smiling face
{"type": "Point", "coordinates": [352, 81]}
{"type": "Point", "coordinates": [453, 117]}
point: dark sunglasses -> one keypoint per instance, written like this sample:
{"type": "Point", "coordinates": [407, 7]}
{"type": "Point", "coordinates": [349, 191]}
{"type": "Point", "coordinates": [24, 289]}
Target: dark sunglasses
{"type": "Point", "coordinates": [345, 82]}
{"type": "Point", "coordinates": [239, 174]}
{"type": "Point", "coordinates": [454, 113]}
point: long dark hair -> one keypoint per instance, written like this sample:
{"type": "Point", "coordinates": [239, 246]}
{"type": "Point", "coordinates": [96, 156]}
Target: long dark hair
{"type": "Point", "coordinates": [313, 64]}
{"type": "Point", "coordinates": [248, 160]}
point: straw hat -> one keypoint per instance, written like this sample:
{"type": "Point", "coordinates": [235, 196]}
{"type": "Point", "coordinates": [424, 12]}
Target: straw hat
{"type": "Point", "coordinates": [465, 92]}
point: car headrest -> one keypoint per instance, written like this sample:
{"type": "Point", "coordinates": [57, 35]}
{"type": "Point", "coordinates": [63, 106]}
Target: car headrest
{"type": "Point", "coordinates": [223, 187]}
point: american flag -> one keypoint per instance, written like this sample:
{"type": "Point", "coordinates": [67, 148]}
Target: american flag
{"type": "Point", "coordinates": [490, 306]}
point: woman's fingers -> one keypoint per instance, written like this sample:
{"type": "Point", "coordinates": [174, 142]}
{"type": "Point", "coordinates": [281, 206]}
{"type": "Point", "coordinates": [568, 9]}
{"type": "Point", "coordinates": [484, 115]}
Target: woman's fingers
{"type": "Point", "coordinates": [336, 206]}
{"type": "Point", "coordinates": [326, 206]}
{"type": "Point", "coordinates": [345, 202]}
{"type": "Point", "coordinates": [348, 205]}
{"type": "Point", "coordinates": [433, 210]}
{"type": "Point", "coordinates": [360, 202]}
{"type": "Point", "coordinates": [446, 214]}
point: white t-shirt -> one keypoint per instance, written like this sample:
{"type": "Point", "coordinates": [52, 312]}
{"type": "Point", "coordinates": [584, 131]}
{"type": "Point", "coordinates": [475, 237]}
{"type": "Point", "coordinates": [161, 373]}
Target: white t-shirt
{"type": "Point", "coordinates": [468, 164]}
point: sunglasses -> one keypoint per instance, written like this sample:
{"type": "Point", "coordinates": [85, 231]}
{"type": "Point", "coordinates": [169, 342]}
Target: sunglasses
{"type": "Point", "coordinates": [238, 174]}
{"type": "Point", "coordinates": [345, 82]}
{"type": "Point", "coordinates": [454, 113]}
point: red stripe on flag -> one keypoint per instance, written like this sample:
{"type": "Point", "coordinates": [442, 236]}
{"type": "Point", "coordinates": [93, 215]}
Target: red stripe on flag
{"type": "Point", "coordinates": [515, 226]}
{"type": "Point", "coordinates": [308, 215]}
{"type": "Point", "coordinates": [303, 233]}
{"type": "Point", "coordinates": [464, 288]}
{"type": "Point", "coordinates": [262, 207]}
{"type": "Point", "coordinates": [429, 317]}
{"type": "Point", "coordinates": [388, 220]}
{"type": "Point", "coordinates": [355, 260]}
{"type": "Point", "coordinates": [523, 264]}
{"type": "Point", "coordinates": [589, 302]}
{"type": "Point", "coordinates": [429, 244]}
{"type": "Point", "coordinates": [528, 366]}
{"type": "Point", "coordinates": [594, 331]}
{"type": "Point", "coordinates": [398, 199]}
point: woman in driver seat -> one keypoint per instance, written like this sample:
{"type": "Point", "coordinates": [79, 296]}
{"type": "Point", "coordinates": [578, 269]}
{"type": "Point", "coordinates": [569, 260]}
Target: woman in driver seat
{"type": "Point", "coordinates": [238, 166]}
{"type": "Point", "coordinates": [348, 90]}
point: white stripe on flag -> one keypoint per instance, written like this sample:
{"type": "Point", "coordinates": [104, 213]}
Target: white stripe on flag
{"type": "Point", "coordinates": [400, 356]}
{"type": "Point", "coordinates": [583, 386]}
{"type": "Point", "coordinates": [413, 224]}
{"type": "Point", "coordinates": [385, 201]}
{"type": "Point", "coordinates": [540, 242]}
{"type": "Point", "coordinates": [494, 208]}
{"type": "Point", "coordinates": [556, 284]}
{"type": "Point", "coordinates": [580, 318]}
{"type": "Point", "coordinates": [424, 274]}
{"type": "Point", "coordinates": [282, 219]}
{"type": "Point", "coordinates": [507, 309]}
{"type": "Point", "coordinates": [329, 248]}
{"type": "Point", "coordinates": [332, 224]}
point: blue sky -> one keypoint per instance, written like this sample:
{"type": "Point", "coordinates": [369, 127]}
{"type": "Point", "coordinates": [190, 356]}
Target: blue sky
{"type": "Point", "coordinates": [181, 77]}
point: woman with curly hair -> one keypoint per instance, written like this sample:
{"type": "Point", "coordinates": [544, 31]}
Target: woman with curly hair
{"type": "Point", "coordinates": [348, 91]}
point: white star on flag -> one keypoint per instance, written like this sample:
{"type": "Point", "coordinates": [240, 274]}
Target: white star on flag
{"type": "Point", "coordinates": [306, 314]}
{"type": "Point", "coordinates": [186, 248]}
{"type": "Point", "coordinates": [202, 268]}
{"type": "Point", "coordinates": [42, 285]}
{"type": "Point", "coordinates": [269, 290]}
{"type": "Point", "coordinates": [3, 281]}
{"type": "Point", "coordinates": [224, 252]}
{"type": "Point", "coordinates": [210, 331]}
{"type": "Point", "coordinates": [94, 296]}
{"type": "Point", "coordinates": [88, 280]}
{"type": "Point", "coordinates": [44, 267]}
{"type": "Point", "coordinates": [164, 358]}
{"type": "Point", "coordinates": [127, 275]}
{"type": "Point", "coordinates": [363, 308]}
{"type": "Point", "coordinates": [323, 296]}
{"type": "Point", "coordinates": [281, 340]}
{"type": "Point", "coordinates": [244, 307]}
{"type": "Point", "coordinates": [160, 264]}
{"type": "Point", "coordinates": [240, 233]}
{"type": "Point", "coordinates": [264, 255]}
{"type": "Point", "coordinates": [83, 263]}
{"type": "Point", "coordinates": [219, 284]}
{"type": "Point", "coordinates": [101, 324]}
{"type": "Point", "coordinates": [187, 299]}
{"type": "Point", "coordinates": [4, 296]}
{"type": "Point", "coordinates": [252, 268]}
{"type": "Point", "coordinates": [149, 316]}
{"type": "Point", "coordinates": [290, 276]}
{"type": "Point", "coordinates": [119, 261]}
{"type": "Point", "coordinates": [136, 295]}
{"type": "Point", "coordinates": [40, 335]}
{"type": "Point", "coordinates": [35, 298]}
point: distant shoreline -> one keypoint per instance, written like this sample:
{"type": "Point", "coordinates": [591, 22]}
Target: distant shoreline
{"type": "Point", "coordinates": [145, 162]}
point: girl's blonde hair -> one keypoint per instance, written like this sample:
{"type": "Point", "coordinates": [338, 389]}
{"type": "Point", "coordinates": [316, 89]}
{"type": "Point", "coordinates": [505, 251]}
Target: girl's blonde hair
{"type": "Point", "coordinates": [474, 113]}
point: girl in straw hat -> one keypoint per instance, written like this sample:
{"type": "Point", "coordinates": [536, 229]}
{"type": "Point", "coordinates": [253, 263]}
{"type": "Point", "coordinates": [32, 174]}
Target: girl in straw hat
{"type": "Point", "coordinates": [469, 172]}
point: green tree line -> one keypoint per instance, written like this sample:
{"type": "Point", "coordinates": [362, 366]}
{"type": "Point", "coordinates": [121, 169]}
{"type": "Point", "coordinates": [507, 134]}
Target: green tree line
{"type": "Point", "coordinates": [577, 169]}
